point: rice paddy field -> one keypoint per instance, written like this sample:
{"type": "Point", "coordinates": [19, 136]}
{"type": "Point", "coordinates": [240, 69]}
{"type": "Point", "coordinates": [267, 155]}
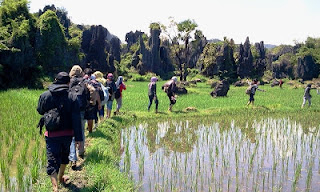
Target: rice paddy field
{"type": "Point", "coordinates": [220, 145]}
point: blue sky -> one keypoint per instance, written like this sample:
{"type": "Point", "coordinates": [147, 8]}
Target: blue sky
{"type": "Point", "coordinates": [273, 21]}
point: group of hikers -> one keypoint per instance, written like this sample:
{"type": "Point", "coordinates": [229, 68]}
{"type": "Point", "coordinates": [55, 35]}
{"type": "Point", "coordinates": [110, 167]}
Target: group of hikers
{"type": "Point", "coordinates": [253, 87]}
{"type": "Point", "coordinates": [81, 96]}
{"type": "Point", "coordinates": [74, 99]}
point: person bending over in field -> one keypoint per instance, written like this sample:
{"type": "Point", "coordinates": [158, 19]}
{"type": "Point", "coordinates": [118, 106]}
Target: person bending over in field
{"type": "Point", "coordinates": [307, 96]}
{"type": "Point", "coordinates": [170, 88]}
{"type": "Point", "coordinates": [253, 88]}
{"type": "Point", "coordinates": [61, 117]}
{"type": "Point", "coordinates": [152, 93]}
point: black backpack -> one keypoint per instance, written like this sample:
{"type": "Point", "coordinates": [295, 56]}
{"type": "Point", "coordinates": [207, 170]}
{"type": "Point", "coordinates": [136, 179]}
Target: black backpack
{"type": "Point", "coordinates": [52, 119]}
{"type": "Point", "coordinates": [79, 89]}
{"type": "Point", "coordinates": [117, 94]}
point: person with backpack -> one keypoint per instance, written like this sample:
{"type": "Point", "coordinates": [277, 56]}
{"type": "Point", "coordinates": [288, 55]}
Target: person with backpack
{"type": "Point", "coordinates": [152, 93]}
{"type": "Point", "coordinates": [60, 112]}
{"type": "Point", "coordinates": [170, 88]}
{"type": "Point", "coordinates": [307, 96]}
{"type": "Point", "coordinates": [112, 89]}
{"type": "Point", "coordinates": [118, 94]}
{"type": "Point", "coordinates": [94, 103]}
{"type": "Point", "coordinates": [102, 82]}
{"type": "Point", "coordinates": [253, 87]}
{"type": "Point", "coordinates": [78, 87]}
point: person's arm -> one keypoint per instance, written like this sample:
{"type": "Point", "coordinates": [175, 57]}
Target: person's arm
{"type": "Point", "coordinates": [155, 90]}
{"type": "Point", "coordinates": [124, 86]}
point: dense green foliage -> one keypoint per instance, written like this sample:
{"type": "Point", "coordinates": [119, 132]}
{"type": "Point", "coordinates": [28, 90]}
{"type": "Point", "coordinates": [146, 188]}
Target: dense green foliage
{"type": "Point", "coordinates": [33, 46]}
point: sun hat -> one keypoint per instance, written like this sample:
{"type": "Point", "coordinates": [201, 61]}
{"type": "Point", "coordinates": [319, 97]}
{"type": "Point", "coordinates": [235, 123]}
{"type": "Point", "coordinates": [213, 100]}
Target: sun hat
{"type": "Point", "coordinates": [62, 78]}
{"type": "Point", "coordinates": [76, 71]}
{"type": "Point", "coordinates": [154, 79]}
{"type": "Point", "coordinates": [99, 77]}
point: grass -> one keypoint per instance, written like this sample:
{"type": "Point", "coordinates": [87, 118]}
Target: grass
{"type": "Point", "coordinates": [23, 149]}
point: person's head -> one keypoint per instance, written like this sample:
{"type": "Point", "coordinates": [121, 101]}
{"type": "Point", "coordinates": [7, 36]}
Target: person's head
{"type": "Point", "coordinates": [174, 78]}
{"type": "Point", "coordinates": [110, 76]}
{"type": "Point", "coordinates": [120, 79]}
{"type": "Point", "coordinates": [309, 85]}
{"type": "Point", "coordinates": [76, 71]}
{"type": "Point", "coordinates": [154, 79]}
{"type": "Point", "coordinates": [99, 77]}
{"type": "Point", "coordinates": [255, 81]}
{"type": "Point", "coordinates": [62, 78]}
{"type": "Point", "coordinates": [88, 71]}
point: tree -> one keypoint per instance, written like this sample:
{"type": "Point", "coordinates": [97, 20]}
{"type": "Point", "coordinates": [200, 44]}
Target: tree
{"type": "Point", "coordinates": [17, 40]}
{"type": "Point", "coordinates": [52, 44]}
{"type": "Point", "coordinates": [180, 38]}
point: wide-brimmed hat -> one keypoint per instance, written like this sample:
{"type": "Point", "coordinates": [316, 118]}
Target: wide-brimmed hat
{"type": "Point", "coordinates": [76, 71]}
{"type": "Point", "coordinates": [99, 77]}
{"type": "Point", "coordinates": [62, 78]}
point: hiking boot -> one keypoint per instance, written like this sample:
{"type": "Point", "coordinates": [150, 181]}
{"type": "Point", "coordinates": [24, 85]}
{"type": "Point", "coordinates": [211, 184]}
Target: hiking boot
{"type": "Point", "coordinates": [74, 165]}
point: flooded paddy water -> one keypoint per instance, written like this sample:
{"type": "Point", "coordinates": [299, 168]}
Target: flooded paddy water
{"type": "Point", "coordinates": [271, 154]}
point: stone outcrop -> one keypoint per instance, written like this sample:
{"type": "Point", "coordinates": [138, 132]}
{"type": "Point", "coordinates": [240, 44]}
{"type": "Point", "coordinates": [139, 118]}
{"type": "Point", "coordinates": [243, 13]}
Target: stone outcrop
{"type": "Point", "coordinates": [307, 68]}
{"type": "Point", "coordinates": [250, 65]}
{"type": "Point", "coordinates": [98, 44]}
{"type": "Point", "coordinates": [221, 90]}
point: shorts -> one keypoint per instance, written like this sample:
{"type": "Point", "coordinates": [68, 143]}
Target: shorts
{"type": "Point", "coordinates": [109, 104]}
{"type": "Point", "coordinates": [91, 112]}
{"type": "Point", "coordinates": [171, 98]}
{"type": "Point", "coordinates": [58, 149]}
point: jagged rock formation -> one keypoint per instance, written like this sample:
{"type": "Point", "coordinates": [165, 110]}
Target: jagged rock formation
{"type": "Point", "coordinates": [221, 90]}
{"type": "Point", "coordinates": [132, 38]}
{"type": "Point", "coordinates": [245, 62]}
{"type": "Point", "coordinates": [307, 68]}
{"type": "Point", "coordinates": [98, 44]}
{"type": "Point", "coordinates": [218, 60]}
{"type": "Point", "coordinates": [155, 59]}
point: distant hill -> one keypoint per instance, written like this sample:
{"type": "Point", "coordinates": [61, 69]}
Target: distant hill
{"type": "Point", "coordinates": [214, 40]}
{"type": "Point", "coordinates": [269, 46]}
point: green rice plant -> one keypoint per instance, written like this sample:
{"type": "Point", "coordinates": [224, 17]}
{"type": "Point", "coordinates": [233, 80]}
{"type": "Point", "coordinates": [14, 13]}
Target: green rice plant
{"type": "Point", "coordinates": [20, 174]}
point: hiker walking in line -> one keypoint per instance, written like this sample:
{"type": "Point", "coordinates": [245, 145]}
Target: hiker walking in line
{"type": "Point", "coordinates": [118, 94]}
{"type": "Point", "coordinates": [253, 87]}
{"type": "Point", "coordinates": [307, 96]}
{"type": "Point", "coordinates": [61, 117]}
{"type": "Point", "coordinates": [102, 82]}
{"type": "Point", "coordinates": [94, 103]}
{"type": "Point", "coordinates": [152, 93]}
{"type": "Point", "coordinates": [170, 88]}
{"type": "Point", "coordinates": [78, 87]}
{"type": "Point", "coordinates": [112, 89]}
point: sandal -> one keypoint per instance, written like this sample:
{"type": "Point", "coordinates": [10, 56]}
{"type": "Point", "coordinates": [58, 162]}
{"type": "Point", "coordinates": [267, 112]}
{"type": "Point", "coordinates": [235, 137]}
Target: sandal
{"type": "Point", "coordinates": [65, 180]}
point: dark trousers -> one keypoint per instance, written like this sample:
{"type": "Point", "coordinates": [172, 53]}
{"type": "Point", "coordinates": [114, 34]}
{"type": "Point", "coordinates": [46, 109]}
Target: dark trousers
{"type": "Point", "coordinates": [151, 98]}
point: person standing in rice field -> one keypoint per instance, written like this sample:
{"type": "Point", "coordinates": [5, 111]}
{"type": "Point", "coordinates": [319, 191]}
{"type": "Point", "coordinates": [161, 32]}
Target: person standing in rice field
{"type": "Point", "coordinates": [253, 88]}
{"type": "Point", "coordinates": [152, 93]}
{"type": "Point", "coordinates": [307, 96]}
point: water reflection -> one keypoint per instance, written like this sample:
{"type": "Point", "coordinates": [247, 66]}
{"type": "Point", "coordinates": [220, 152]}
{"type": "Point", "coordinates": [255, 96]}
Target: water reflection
{"type": "Point", "coordinates": [261, 155]}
